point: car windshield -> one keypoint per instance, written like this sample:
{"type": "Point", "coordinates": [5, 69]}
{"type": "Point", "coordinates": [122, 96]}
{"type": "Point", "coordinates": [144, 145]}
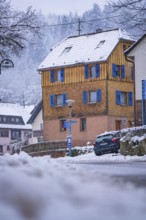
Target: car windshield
{"type": "Point", "coordinates": [104, 138]}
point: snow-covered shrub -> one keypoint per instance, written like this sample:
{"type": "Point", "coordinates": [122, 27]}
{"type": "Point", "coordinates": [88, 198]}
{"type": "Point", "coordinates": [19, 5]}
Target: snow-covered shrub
{"type": "Point", "coordinates": [76, 151]}
{"type": "Point", "coordinates": [134, 141]}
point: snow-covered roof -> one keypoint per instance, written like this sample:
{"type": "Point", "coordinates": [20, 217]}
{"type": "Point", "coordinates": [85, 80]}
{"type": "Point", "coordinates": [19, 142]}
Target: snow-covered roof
{"type": "Point", "coordinates": [9, 109]}
{"type": "Point", "coordinates": [35, 112]}
{"type": "Point", "coordinates": [95, 47]}
{"type": "Point", "coordinates": [130, 49]}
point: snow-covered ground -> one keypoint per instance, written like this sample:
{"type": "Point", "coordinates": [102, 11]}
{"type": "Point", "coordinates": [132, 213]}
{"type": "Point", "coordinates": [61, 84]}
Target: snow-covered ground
{"type": "Point", "coordinates": [42, 188]}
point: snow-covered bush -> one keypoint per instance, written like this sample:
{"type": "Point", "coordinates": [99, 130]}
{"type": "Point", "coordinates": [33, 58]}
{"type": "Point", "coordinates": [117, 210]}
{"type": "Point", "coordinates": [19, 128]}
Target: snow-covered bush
{"type": "Point", "coordinates": [134, 141]}
{"type": "Point", "coordinates": [76, 151]}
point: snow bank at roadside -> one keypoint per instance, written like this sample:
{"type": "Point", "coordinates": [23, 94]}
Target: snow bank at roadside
{"type": "Point", "coordinates": [43, 188]}
{"type": "Point", "coordinates": [106, 157]}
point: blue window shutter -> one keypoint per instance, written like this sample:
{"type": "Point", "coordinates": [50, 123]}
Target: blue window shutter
{"type": "Point", "coordinates": [52, 96]}
{"type": "Point", "coordinates": [114, 67]}
{"type": "Point", "coordinates": [130, 98]}
{"type": "Point", "coordinates": [118, 97]}
{"type": "Point", "coordinates": [62, 75]}
{"type": "Point", "coordinates": [97, 70]}
{"type": "Point", "coordinates": [52, 76]}
{"type": "Point", "coordinates": [123, 71]}
{"type": "Point", "coordinates": [64, 96]}
{"type": "Point", "coordinates": [85, 97]}
{"type": "Point", "coordinates": [98, 95]}
{"type": "Point", "coordinates": [86, 72]}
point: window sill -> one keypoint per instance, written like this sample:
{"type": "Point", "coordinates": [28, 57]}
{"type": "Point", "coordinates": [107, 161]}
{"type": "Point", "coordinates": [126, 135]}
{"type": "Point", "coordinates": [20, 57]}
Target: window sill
{"type": "Point", "coordinates": [57, 82]}
{"type": "Point", "coordinates": [124, 105]}
{"type": "Point", "coordinates": [58, 106]}
{"type": "Point", "coordinates": [92, 103]}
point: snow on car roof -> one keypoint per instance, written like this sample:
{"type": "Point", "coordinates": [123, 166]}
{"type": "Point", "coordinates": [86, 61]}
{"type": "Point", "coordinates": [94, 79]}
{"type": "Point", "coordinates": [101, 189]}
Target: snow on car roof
{"type": "Point", "coordinates": [107, 132]}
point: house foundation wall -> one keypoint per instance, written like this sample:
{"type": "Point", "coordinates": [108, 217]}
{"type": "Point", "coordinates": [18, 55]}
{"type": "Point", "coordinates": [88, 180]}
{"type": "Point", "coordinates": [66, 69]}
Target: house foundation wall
{"type": "Point", "coordinates": [94, 126]}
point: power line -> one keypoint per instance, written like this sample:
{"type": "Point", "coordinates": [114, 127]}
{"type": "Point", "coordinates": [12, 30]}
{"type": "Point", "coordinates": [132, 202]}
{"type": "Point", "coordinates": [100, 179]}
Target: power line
{"type": "Point", "coordinates": [81, 21]}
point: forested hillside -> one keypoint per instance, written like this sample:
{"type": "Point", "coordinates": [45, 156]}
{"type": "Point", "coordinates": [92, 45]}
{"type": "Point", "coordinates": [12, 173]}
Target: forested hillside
{"type": "Point", "coordinates": [22, 83]}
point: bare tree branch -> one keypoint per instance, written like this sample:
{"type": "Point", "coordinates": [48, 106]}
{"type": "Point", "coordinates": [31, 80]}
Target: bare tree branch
{"type": "Point", "coordinates": [132, 13]}
{"type": "Point", "coordinates": [16, 28]}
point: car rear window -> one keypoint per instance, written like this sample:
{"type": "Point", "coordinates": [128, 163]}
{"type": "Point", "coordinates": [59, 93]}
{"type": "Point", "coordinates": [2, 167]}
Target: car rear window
{"type": "Point", "coordinates": [104, 138]}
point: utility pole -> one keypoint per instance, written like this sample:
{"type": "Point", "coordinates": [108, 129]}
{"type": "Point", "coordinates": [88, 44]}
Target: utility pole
{"type": "Point", "coordinates": [79, 26]}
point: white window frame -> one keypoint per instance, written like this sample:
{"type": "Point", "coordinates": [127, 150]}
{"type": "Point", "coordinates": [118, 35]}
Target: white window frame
{"type": "Point", "coordinates": [59, 100]}
{"type": "Point", "coordinates": [92, 97]}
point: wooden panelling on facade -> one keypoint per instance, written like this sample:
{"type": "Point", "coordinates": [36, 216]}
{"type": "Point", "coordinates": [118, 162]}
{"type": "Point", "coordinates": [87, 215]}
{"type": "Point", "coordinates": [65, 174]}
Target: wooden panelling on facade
{"type": "Point", "coordinates": [74, 74]}
{"type": "Point", "coordinates": [117, 57]}
{"type": "Point", "coordinates": [74, 92]}
{"type": "Point", "coordinates": [119, 110]}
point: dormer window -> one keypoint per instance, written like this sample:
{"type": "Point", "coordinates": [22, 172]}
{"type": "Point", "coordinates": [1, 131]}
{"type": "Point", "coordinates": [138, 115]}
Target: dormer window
{"type": "Point", "coordinates": [17, 120]}
{"type": "Point", "coordinates": [66, 50]}
{"type": "Point", "coordinates": [4, 119]}
{"type": "Point", "coordinates": [100, 43]}
{"type": "Point", "coordinates": [12, 119]}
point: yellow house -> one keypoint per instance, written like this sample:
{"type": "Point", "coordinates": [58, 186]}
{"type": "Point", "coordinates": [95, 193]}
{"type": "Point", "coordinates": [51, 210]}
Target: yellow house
{"type": "Point", "coordinates": [92, 70]}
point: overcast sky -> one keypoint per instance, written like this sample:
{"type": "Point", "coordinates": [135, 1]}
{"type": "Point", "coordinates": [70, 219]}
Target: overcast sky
{"type": "Point", "coordinates": [57, 6]}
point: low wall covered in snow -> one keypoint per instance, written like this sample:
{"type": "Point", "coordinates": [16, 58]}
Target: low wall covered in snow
{"type": "Point", "coordinates": [52, 148]}
{"type": "Point", "coordinates": [133, 141]}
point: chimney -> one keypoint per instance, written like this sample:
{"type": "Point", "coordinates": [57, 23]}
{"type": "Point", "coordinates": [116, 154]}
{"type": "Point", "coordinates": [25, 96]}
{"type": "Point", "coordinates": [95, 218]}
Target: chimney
{"type": "Point", "coordinates": [99, 30]}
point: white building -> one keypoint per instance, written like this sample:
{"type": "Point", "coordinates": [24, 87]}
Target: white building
{"type": "Point", "coordinates": [36, 121]}
{"type": "Point", "coordinates": [137, 53]}
{"type": "Point", "coordinates": [13, 126]}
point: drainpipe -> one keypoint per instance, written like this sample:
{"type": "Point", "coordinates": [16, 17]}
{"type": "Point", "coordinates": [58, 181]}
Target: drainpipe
{"type": "Point", "coordinates": [131, 59]}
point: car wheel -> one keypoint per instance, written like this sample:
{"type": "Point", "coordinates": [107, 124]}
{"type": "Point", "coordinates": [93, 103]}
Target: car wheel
{"type": "Point", "coordinates": [98, 154]}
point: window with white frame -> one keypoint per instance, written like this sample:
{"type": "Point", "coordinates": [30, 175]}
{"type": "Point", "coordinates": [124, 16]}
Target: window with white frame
{"type": "Point", "coordinates": [124, 98]}
{"type": "Point", "coordinates": [4, 133]}
{"type": "Point", "coordinates": [58, 100]}
{"type": "Point", "coordinates": [92, 72]}
{"type": "Point", "coordinates": [92, 96]}
{"type": "Point", "coordinates": [56, 75]}
{"type": "Point", "coordinates": [15, 134]}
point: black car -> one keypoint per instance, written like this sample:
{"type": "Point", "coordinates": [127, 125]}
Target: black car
{"type": "Point", "coordinates": [108, 142]}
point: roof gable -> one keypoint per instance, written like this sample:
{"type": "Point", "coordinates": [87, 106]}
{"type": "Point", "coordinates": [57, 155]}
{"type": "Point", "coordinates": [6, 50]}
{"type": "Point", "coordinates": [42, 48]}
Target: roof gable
{"type": "Point", "coordinates": [134, 46]}
{"type": "Point", "coordinates": [95, 47]}
{"type": "Point", "coordinates": [35, 112]}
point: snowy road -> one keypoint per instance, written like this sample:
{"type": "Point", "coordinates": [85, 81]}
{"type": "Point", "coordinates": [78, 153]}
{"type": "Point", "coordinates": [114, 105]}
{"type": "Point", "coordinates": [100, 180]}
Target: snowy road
{"type": "Point", "coordinates": [126, 172]}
